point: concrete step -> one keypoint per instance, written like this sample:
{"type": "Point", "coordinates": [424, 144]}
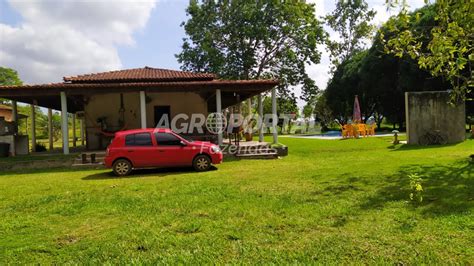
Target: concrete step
{"type": "Point", "coordinates": [269, 155]}
{"type": "Point", "coordinates": [99, 158]}
{"type": "Point", "coordinates": [97, 161]}
{"type": "Point", "coordinates": [88, 165]}
{"type": "Point", "coordinates": [89, 157]}
{"type": "Point", "coordinates": [254, 151]}
{"type": "Point", "coordinates": [96, 152]}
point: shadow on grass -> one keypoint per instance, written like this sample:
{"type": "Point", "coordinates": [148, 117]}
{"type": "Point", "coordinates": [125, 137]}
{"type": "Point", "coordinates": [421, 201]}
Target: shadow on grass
{"type": "Point", "coordinates": [59, 169]}
{"type": "Point", "coordinates": [160, 172]}
{"type": "Point", "coordinates": [448, 189]}
{"type": "Point", "coordinates": [341, 188]}
{"type": "Point", "coordinates": [232, 159]}
{"type": "Point", "coordinates": [409, 147]}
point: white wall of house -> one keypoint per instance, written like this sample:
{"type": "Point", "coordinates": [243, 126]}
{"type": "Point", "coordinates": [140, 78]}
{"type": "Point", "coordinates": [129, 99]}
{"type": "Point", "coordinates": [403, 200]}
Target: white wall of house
{"type": "Point", "coordinates": [180, 103]}
{"type": "Point", "coordinates": [108, 105]}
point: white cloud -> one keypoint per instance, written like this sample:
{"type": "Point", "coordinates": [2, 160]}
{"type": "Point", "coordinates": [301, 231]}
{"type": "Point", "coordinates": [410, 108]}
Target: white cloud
{"type": "Point", "coordinates": [65, 38]}
{"type": "Point", "coordinates": [383, 14]}
{"type": "Point", "coordinates": [320, 7]}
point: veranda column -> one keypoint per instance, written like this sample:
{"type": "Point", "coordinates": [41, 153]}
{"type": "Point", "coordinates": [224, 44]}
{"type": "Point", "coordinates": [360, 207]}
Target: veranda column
{"type": "Point", "coordinates": [64, 125]}
{"type": "Point", "coordinates": [260, 116]}
{"type": "Point", "coordinates": [50, 128]}
{"type": "Point", "coordinates": [143, 109]}
{"type": "Point", "coordinates": [33, 127]}
{"type": "Point", "coordinates": [249, 103]}
{"type": "Point", "coordinates": [274, 114]}
{"type": "Point", "coordinates": [239, 104]}
{"type": "Point", "coordinates": [15, 115]}
{"type": "Point", "coordinates": [219, 116]}
{"type": "Point", "coordinates": [82, 131]}
{"type": "Point", "coordinates": [15, 125]}
{"type": "Point", "coordinates": [249, 110]}
{"type": "Point", "coordinates": [74, 129]}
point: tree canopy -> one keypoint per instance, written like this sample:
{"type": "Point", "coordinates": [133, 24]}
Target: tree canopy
{"type": "Point", "coordinates": [249, 39]}
{"type": "Point", "coordinates": [448, 53]}
{"type": "Point", "coordinates": [351, 21]}
{"type": "Point", "coordinates": [380, 80]}
{"type": "Point", "coordinates": [8, 76]}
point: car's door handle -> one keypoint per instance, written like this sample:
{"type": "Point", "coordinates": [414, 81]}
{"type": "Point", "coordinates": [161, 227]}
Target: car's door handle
{"type": "Point", "coordinates": [161, 150]}
{"type": "Point", "coordinates": [130, 150]}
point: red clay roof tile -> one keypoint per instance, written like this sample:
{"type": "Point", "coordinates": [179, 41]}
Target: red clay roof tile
{"type": "Point", "coordinates": [146, 74]}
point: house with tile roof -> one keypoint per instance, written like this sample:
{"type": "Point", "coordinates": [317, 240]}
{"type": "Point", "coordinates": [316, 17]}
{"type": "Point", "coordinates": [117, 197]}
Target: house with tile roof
{"type": "Point", "coordinates": [135, 98]}
{"type": "Point", "coordinates": [6, 113]}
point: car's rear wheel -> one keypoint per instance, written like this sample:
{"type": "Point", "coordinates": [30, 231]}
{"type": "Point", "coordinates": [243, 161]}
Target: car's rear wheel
{"type": "Point", "coordinates": [122, 167]}
{"type": "Point", "coordinates": [202, 163]}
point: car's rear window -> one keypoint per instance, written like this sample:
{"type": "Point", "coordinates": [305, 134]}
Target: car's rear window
{"type": "Point", "coordinates": [138, 139]}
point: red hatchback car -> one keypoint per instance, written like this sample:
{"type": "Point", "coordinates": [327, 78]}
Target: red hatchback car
{"type": "Point", "coordinates": [146, 148]}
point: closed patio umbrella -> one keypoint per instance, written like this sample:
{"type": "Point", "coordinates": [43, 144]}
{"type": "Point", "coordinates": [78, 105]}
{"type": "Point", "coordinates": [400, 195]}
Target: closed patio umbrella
{"type": "Point", "coordinates": [356, 117]}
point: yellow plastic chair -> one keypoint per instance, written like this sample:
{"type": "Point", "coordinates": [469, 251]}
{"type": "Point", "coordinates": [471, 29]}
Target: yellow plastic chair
{"type": "Point", "coordinates": [362, 130]}
{"type": "Point", "coordinates": [354, 131]}
{"type": "Point", "coordinates": [371, 130]}
{"type": "Point", "coordinates": [345, 131]}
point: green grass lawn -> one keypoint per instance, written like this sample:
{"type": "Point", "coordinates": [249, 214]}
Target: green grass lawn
{"type": "Point", "coordinates": [36, 157]}
{"type": "Point", "coordinates": [329, 201]}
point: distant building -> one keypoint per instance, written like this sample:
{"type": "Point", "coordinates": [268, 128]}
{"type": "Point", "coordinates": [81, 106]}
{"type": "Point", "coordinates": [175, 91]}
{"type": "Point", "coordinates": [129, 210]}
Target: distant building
{"type": "Point", "coordinates": [7, 113]}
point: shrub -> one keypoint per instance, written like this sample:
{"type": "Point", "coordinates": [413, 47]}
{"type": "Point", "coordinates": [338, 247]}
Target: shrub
{"type": "Point", "coordinates": [40, 147]}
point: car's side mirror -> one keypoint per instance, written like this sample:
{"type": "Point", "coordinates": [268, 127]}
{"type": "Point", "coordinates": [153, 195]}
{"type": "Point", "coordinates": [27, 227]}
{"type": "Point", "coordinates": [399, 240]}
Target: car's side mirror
{"type": "Point", "coordinates": [182, 143]}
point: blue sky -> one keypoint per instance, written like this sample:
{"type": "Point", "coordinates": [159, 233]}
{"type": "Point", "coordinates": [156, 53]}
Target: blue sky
{"type": "Point", "coordinates": [46, 40]}
{"type": "Point", "coordinates": [157, 44]}
{"type": "Point", "coordinates": [8, 15]}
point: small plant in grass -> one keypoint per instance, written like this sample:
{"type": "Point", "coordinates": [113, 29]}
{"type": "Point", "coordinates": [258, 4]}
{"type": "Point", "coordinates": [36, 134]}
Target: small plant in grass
{"type": "Point", "coordinates": [416, 194]}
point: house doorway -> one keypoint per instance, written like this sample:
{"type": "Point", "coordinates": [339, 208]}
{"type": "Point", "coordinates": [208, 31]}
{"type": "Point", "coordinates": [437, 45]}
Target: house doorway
{"type": "Point", "coordinates": [162, 116]}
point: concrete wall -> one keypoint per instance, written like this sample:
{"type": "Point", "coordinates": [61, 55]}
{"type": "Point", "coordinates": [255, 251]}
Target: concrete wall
{"type": "Point", "coordinates": [108, 105]}
{"type": "Point", "coordinates": [20, 145]}
{"type": "Point", "coordinates": [428, 111]}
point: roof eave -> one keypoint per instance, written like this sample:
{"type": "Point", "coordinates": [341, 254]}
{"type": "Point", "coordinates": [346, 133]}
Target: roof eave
{"type": "Point", "coordinates": [96, 88]}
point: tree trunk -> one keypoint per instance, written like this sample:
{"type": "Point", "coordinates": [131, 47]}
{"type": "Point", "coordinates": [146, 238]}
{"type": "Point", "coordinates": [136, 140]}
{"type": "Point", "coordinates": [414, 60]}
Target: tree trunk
{"type": "Point", "coordinates": [379, 124]}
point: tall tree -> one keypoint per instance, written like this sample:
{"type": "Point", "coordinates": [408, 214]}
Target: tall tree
{"type": "Point", "coordinates": [308, 108]}
{"type": "Point", "coordinates": [8, 76]}
{"type": "Point", "coordinates": [322, 112]}
{"type": "Point", "coordinates": [248, 39]}
{"type": "Point", "coordinates": [449, 52]}
{"type": "Point", "coordinates": [287, 111]}
{"type": "Point", "coordinates": [351, 21]}
{"type": "Point", "coordinates": [344, 85]}
{"type": "Point", "coordinates": [381, 79]}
